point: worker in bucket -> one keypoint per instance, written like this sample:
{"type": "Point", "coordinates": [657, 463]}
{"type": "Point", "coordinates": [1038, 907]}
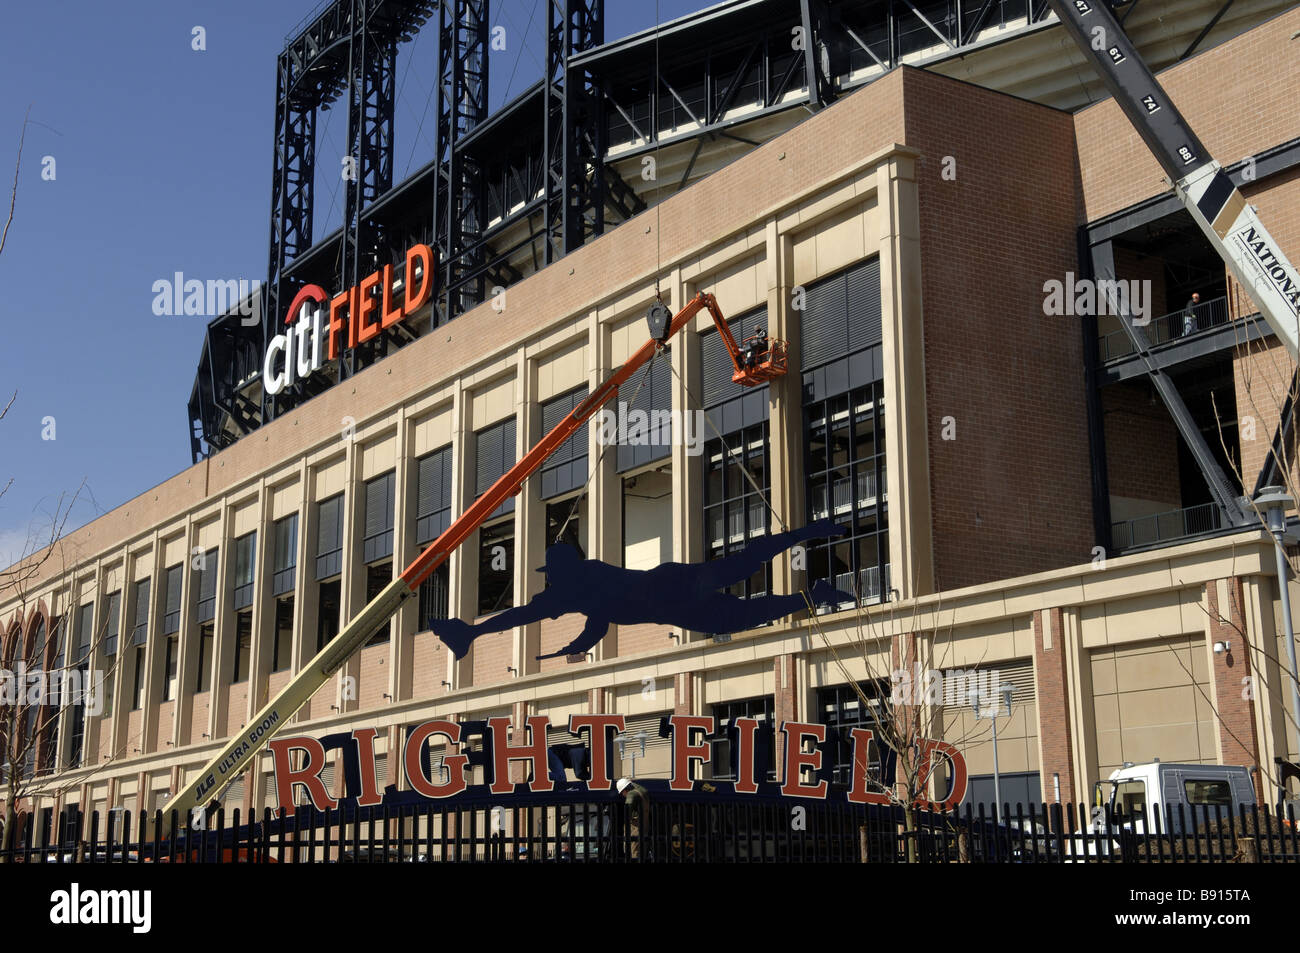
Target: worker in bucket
{"type": "Point", "coordinates": [684, 595]}
{"type": "Point", "coordinates": [754, 348]}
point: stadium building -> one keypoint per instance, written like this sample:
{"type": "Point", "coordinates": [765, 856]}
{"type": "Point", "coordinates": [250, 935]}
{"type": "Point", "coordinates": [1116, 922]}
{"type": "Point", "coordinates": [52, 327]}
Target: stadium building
{"type": "Point", "coordinates": [889, 186]}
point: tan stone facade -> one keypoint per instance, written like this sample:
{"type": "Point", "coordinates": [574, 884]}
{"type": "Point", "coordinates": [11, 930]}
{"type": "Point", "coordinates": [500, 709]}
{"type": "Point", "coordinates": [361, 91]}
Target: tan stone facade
{"type": "Point", "coordinates": [990, 534]}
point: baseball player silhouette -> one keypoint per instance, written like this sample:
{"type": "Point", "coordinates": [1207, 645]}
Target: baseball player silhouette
{"type": "Point", "coordinates": [680, 594]}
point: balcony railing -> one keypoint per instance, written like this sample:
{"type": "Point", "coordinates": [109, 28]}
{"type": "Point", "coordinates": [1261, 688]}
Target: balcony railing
{"type": "Point", "coordinates": [1167, 329]}
{"type": "Point", "coordinates": [844, 494]}
{"type": "Point", "coordinates": [872, 586]}
{"type": "Point", "coordinates": [1163, 527]}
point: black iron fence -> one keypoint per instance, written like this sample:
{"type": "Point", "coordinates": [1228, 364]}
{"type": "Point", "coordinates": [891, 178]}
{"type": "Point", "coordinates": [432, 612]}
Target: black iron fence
{"type": "Point", "coordinates": [702, 832]}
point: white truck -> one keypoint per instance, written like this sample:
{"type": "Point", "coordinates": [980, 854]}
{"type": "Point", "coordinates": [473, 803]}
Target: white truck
{"type": "Point", "coordinates": [1161, 798]}
{"type": "Point", "coordinates": [1136, 792]}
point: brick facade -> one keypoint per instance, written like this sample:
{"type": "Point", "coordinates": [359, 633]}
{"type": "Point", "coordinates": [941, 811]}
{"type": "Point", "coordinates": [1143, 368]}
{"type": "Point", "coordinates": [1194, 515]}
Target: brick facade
{"type": "Point", "coordinates": [1011, 494]}
{"type": "Point", "coordinates": [1141, 445]}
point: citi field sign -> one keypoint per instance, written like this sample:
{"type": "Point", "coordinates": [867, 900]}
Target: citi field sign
{"type": "Point", "coordinates": [298, 761]}
{"type": "Point", "coordinates": [318, 326]}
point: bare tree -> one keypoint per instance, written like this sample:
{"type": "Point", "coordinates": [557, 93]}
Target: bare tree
{"type": "Point", "coordinates": [906, 702]}
{"type": "Point", "coordinates": [1267, 378]}
{"type": "Point", "coordinates": [32, 641]}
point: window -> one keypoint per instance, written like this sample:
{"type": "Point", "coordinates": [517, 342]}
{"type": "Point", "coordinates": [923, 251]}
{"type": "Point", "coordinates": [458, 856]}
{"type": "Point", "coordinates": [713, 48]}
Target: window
{"type": "Point", "coordinates": [724, 716]}
{"type": "Point", "coordinates": [433, 495]}
{"type": "Point", "coordinates": [647, 518]}
{"type": "Point", "coordinates": [245, 559]}
{"type": "Point", "coordinates": [434, 593]}
{"type": "Point", "coordinates": [329, 537]}
{"type": "Point", "coordinates": [844, 460]}
{"type": "Point", "coordinates": [172, 592]}
{"type": "Point", "coordinates": [564, 523]}
{"type": "Point", "coordinates": [841, 711]}
{"type": "Point", "coordinates": [1213, 793]}
{"type": "Point", "coordinates": [140, 632]}
{"type": "Point", "coordinates": [35, 656]}
{"type": "Point", "coordinates": [734, 507]}
{"type": "Point", "coordinates": [566, 468]}
{"type": "Point", "coordinates": [648, 434]}
{"type": "Point", "coordinates": [286, 555]}
{"type": "Point", "coordinates": [110, 684]}
{"type": "Point", "coordinates": [376, 578]}
{"type": "Point", "coordinates": [77, 734]}
{"type": "Point", "coordinates": [137, 691]}
{"type": "Point", "coordinates": [494, 454]}
{"type": "Point", "coordinates": [207, 636]}
{"type": "Point", "coordinates": [736, 479]}
{"type": "Point", "coordinates": [844, 431]}
{"type": "Point", "coordinates": [1131, 798]}
{"type": "Point", "coordinates": [205, 606]}
{"type": "Point", "coordinates": [328, 610]}
{"type": "Point", "coordinates": [112, 622]}
{"type": "Point", "coordinates": [85, 634]}
{"type": "Point", "coordinates": [496, 567]}
{"type": "Point", "coordinates": [243, 646]}
{"type": "Point", "coordinates": [169, 666]}
{"type": "Point", "coordinates": [378, 540]}
{"type": "Point", "coordinates": [282, 649]}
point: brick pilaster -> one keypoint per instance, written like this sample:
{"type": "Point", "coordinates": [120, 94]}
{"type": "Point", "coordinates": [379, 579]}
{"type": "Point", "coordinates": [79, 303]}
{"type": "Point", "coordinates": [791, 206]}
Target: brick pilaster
{"type": "Point", "coordinates": [1055, 740]}
{"type": "Point", "coordinates": [684, 694]}
{"type": "Point", "coordinates": [1233, 703]}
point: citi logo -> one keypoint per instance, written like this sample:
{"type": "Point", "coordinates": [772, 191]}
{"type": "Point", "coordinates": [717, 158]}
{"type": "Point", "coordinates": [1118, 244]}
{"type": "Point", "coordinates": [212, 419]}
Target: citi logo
{"type": "Point", "coordinates": [75, 906]}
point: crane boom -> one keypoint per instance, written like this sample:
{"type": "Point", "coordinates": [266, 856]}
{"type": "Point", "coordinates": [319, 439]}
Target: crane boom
{"type": "Point", "coordinates": [1236, 233]}
{"type": "Point", "coordinates": [235, 756]}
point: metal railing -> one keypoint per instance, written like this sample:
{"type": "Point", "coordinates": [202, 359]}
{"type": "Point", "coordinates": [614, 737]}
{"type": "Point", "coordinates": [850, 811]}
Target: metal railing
{"type": "Point", "coordinates": [1166, 526]}
{"type": "Point", "coordinates": [1166, 329]}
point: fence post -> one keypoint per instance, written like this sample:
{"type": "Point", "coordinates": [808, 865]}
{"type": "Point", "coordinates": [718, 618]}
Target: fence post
{"type": "Point", "coordinates": [1247, 851]}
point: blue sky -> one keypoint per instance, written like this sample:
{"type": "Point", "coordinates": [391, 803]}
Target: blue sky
{"type": "Point", "coordinates": [161, 157]}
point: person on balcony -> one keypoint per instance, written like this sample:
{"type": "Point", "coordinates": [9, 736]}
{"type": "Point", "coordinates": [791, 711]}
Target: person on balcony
{"type": "Point", "coordinates": [1189, 313]}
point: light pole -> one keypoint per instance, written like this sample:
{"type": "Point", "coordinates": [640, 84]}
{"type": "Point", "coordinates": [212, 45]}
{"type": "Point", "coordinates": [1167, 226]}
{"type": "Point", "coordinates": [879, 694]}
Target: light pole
{"type": "Point", "coordinates": [623, 749]}
{"type": "Point", "coordinates": [1275, 502]}
{"type": "Point", "coordinates": [977, 703]}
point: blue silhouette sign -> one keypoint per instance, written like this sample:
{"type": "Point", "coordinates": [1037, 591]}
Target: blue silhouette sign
{"type": "Point", "coordinates": [685, 595]}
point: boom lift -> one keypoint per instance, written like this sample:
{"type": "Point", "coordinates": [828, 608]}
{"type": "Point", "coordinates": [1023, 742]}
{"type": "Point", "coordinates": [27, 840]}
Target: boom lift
{"type": "Point", "coordinates": [1231, 226]}
{"type": "Point", "coordinates": [237, 754]}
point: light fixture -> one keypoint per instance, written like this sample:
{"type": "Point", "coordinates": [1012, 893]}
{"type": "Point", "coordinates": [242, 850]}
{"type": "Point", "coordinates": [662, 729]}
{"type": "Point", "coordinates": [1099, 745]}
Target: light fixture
{"type": "Point", "coordinates": [511, 668]}
{"type": "Point", "coordinates": [1221, 647]}
{"type": "Point", "coordinates": [447, 683]}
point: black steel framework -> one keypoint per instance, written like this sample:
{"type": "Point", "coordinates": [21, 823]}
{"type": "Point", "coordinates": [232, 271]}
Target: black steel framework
{"type": "Point", "coordinates": [519, 189]}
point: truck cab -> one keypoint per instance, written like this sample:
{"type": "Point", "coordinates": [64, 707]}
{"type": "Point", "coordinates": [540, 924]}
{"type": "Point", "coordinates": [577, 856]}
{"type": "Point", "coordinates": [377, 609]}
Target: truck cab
{"type": "Point", "coordinates": [1136, 792]}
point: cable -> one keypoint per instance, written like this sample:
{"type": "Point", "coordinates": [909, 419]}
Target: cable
{"type": "Point", "coordinates": [654, 131]}
{"type": "Point", "coordinates": [586, 487]}
{"type": "Point", "coordinates": [739, 460]}
{"type": "Point", "coordinates": [518, 54]}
